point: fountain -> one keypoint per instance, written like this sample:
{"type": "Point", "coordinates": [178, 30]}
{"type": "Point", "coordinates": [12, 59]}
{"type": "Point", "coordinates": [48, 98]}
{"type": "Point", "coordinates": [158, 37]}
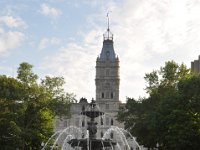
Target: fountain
{"type": "Point", "coordinates": [73, 138]}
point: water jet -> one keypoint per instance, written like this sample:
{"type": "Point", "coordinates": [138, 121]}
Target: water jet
{"type": "Point", "coordinates": [74, 138]}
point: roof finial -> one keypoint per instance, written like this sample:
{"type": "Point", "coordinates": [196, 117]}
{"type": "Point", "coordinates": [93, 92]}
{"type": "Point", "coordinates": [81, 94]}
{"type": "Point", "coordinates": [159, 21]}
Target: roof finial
{"type": "Point", "coordinates": [108, 21]}
{"type": "Point", "coordinates": [108, 30]}
{"type": "Point", "coordinates": [108, 35]}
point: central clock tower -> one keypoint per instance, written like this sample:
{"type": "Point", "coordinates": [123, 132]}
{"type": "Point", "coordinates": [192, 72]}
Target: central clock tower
{"type": "Point", "coordinates": [107, 71]}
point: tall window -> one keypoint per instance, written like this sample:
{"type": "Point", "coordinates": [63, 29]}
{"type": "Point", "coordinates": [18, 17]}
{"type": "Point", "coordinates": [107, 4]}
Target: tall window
{"type": "Point", "coordinates": [83, 123]}
{"type": "Point", "coordinates": [111, 122]}
{"type": "Point", "coordinates": [111, 95]}
{"type": "Point", "coordinates": [101, 134]}
{"type": "Point", "coordinates": [102, 95]}
{"type": "Point", "coordinates": [111, 135]}
{"type": "Point", "coordinates": [101, 121]}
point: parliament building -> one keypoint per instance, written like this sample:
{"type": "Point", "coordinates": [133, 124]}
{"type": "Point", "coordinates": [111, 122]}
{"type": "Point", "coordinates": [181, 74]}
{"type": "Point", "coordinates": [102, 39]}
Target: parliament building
{"type": "Point", "coordinates": [107, 83]}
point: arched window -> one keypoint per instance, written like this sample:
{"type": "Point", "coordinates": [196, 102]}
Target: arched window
{"type": "Point", "coordinates": [101, 121]}
{"type": "Point", "coordinates": [111, 135]}
{"type": "Point", "coordinates": [101, 134]}
{"type": "Point", "coordinates": [83, 123]}
{"type": "Point", "coordinates": [111, 95]}
{"type": "Point", "coordinates": [111, 122]}
{"type": "Point", "coordinates": [102, 95]}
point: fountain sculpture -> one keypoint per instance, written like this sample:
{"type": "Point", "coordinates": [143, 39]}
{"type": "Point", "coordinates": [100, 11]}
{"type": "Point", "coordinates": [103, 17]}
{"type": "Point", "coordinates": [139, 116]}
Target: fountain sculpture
{"type": "Point", "coordinates": [74, 139]}
{"type": "Point", "coordinates": [92, 143]}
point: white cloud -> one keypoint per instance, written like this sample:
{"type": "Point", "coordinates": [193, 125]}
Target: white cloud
{"type": "Point", "coordinates": [146, 34]}
{"type": "Point", "coordinates": [150, 32]}
{"type": "Point", "coordinates": [45, 42]}
{"type": "Point", "coordinates": [1, 31]}
{"type": "Point", "coordinates": [12, 22]}
{"type": "Point", "coordinates": [73, 62]}
{"type": "Point", "coordinates": [10, 40]}
{"type": "Point", "coordinates": [49, 11]}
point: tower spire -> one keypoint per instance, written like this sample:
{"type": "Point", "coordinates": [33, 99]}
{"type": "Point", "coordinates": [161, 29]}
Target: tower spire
{"type": "Point", "coordinates": [108, 21]}
{"type": "Point", "coordinates": [108, 35]}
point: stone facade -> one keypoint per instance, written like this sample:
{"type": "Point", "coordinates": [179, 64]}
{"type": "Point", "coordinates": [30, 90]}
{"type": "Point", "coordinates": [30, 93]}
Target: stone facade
{"type": "Point", "coordinates": [107, 80]}
{"type": "Point", "coordinates": [107, 93]}
{"type": "Point", "coordinates": [195, 65]}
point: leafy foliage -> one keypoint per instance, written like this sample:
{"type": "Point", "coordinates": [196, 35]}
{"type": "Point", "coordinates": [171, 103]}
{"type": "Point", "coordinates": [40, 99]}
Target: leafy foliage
{"type": "Point", "coordinates": [170, 117]}
{"type": "Point", "coordinates": [28, 108]}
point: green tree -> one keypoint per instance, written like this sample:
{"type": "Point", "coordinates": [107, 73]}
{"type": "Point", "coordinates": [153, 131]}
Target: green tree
{"type": "Point", "coordinates": [178, 116]}
{"type": "Point", "coordinates": [29, 108]}
{"type": "Point", "coordinates": [136, 117]}
{"type": "Point", "coordinates": [60, 100]}
{"type": "Point", "coordinates": [10, 93]}
{"type": "Point", "coordinates": [25, 74]}
{"type": "Point", "coordinates": [169, 117]}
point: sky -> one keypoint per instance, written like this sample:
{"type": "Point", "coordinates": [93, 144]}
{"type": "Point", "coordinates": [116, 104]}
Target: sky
{"type": "Point", "coordinates": [64, 38]}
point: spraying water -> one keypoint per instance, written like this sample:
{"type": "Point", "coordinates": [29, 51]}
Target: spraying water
{"type": "Point", "coordinates": [74, 138]}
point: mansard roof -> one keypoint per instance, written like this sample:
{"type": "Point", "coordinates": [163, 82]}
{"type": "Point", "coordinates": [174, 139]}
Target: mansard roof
{"type": "Point", "coordinates": [107, 52]}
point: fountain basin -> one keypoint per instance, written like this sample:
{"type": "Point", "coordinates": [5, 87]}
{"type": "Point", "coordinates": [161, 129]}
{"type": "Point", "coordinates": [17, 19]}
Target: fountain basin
{"type": "Point", "coordinates": [94, 144]}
